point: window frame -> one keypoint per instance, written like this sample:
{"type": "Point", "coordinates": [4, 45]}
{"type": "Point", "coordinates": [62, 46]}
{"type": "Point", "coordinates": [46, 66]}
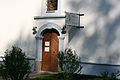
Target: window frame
{"type": "Point", "coordinates": [52, 3]}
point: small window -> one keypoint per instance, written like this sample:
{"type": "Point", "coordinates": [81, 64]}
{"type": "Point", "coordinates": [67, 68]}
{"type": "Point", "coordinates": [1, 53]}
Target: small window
{"type": "Point", "coordinates": [52, 5]}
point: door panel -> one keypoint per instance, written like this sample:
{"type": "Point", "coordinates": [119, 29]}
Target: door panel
{"type": "Point", "coordinates": [54, 51]}
{"type": "Point", "coordinates": [49, 57]}
{"type": "Point", "coordinates": [46, 57]}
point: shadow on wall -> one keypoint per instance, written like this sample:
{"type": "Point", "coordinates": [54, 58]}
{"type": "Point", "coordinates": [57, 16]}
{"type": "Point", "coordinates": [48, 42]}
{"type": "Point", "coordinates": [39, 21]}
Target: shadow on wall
{"type": "Point", "coordinates": [26, 42]}
{"type": "Point", "coordinates": [73, 31]}
{"type": "Point", "coordinates": [98, 69]}
{"type": "Point", "coordinates": [103, 45]}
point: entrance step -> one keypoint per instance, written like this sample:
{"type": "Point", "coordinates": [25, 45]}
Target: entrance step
{"type": "Point", "coordinates": [35, 74]}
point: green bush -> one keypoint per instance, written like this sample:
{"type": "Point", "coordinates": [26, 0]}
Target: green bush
{"type": "Point", "coordinates": [69, 61]}
{"type": "Point", "coordinates": [112, 76]}
{"type": "Point", "coordinates": [15, 66]}
{"type": "Point", "coordinates": [60, 76]}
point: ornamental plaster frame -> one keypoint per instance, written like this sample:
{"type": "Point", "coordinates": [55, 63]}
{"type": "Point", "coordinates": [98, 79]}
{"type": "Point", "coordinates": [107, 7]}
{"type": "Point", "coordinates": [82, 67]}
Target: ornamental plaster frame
{"type": "Point", "coordinates": [39, 38]}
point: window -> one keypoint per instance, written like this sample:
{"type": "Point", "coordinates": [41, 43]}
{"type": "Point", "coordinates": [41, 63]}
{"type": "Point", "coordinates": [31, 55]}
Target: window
{"type": "Point", "coordinates": [52, 5]}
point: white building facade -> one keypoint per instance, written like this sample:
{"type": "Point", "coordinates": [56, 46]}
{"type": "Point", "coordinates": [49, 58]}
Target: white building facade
{"type": "Point", "coordinates": [97, 44]}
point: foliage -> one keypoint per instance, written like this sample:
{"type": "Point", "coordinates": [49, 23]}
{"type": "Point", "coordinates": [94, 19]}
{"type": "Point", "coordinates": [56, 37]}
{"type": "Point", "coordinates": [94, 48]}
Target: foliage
{"type": "Point", "coordinates": [60, 76]}
{"type": "Point", "coordinates": [105, 74]}
{"type": "Point", "coordinates": [112, 75]}
{"type": "Point", "coordinates": [15, 66]}
{"type": "Point", "coordinates": [69, 62]}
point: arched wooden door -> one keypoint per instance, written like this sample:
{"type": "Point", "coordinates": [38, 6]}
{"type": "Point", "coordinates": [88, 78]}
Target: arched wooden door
{"type": "Point", "coordinates": [50, 51]}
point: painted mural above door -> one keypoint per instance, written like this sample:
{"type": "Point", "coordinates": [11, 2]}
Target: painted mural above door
{"type": "Point", "coordinates": [50, 8]}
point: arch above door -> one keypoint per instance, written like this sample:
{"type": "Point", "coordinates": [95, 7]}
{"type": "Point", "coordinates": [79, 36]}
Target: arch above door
{"type": "Point", "coordinates": [39, 38]}
{"type": "Point", "coordinates": [49, 26]}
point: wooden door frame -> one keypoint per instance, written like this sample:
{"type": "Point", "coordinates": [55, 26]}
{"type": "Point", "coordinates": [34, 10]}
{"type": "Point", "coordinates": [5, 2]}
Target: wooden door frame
{"type": "Point", "coordinates": [39, 38]}
{"type": "Point", "coordinates": [49, 57]}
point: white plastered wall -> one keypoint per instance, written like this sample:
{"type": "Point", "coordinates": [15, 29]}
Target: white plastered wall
{"type": "Point", "coordinates": [97, 42]}
{"type": "Point", "coordinates": [16, 23]}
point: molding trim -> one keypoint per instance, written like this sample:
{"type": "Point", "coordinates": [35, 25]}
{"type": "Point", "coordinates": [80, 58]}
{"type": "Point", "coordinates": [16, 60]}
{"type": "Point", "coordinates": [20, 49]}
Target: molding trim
{"type": "Point", "coordinates": [100, 64]}
{"type": "Point", "coordinates": [48, 26]}
{"type": "Point", "coordinates": [48, 17]}
{"type": "Point", "coordinates": [39, 38]}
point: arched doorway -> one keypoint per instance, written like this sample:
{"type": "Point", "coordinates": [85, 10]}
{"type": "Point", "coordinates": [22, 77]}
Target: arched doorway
{"type": "Point", "coordinates": [50, 46]}
{"type": "Point", "coordinates": [40, 36]}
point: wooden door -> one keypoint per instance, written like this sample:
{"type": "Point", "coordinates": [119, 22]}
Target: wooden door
{"type": "Point", "coordinates": [49, 52]}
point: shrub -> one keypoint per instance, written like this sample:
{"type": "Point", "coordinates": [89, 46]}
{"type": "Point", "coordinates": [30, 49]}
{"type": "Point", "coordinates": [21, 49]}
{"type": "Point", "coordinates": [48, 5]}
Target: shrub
{"type": "Point", "coordinates": [112, 76]}
{"type": "Point", "coordinates": [69, 61]}
{"type": "Point", "coordinates": [15, 66]}
{"type": "Point", "coordinates": [104, 74]}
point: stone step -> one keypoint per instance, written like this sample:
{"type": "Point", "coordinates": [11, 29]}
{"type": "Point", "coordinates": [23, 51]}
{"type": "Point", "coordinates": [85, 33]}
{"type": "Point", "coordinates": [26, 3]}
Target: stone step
{"type": "Point", "coordinates": [34, 74]}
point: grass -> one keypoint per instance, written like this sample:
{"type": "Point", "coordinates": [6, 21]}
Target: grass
{"type": "Point", "coordinates": [67, 76]}
{"type": "Point", "coordinates": [64, 76]}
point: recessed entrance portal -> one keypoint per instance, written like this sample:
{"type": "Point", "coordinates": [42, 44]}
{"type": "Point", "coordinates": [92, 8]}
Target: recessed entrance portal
{"type": "Point", "coordinates": [49, 41]}
{"type": "Point", "coordinates": [50, 47]}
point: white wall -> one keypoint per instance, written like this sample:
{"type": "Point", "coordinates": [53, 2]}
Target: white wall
{"type": "Point", "coordinates": [98, 42]}
{"type": "Point", "coordinates": [16, 23]}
